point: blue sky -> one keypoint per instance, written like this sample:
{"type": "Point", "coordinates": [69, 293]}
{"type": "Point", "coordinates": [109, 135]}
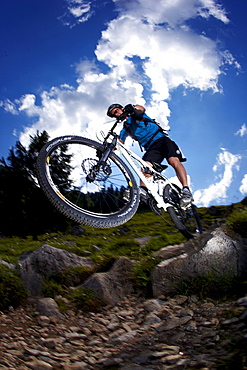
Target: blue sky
{"type": "Point", "coordinates": [63, 62]}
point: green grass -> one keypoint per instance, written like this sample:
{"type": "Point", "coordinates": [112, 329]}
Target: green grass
{"type": "Point", "coordinates": [104, 246]}
{"type": "Point", "coordinates": [237, 221]}
{"type": "Point", "coordinates": [12, 290]}
{"type": "Point", "coordinates": [12, 248]}
{"type": "Point", "coordinates": [83, 299]}
{"type": "Point", "coordinates": [51, 289]}
{"type": "Point", "coordinates": [118, 241]}
{"type": "Point", "coordinates": [141, 274]}
{"type": "Point", "coordinates": [216, 287]}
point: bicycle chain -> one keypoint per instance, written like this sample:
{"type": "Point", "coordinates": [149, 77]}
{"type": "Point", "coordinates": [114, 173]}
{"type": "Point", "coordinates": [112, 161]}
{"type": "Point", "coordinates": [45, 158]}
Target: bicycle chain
{"type": "Point", "coordinates": [152, 207]}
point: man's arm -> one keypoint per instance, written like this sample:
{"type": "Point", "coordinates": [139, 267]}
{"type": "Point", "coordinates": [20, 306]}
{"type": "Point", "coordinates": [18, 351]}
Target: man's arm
{"type": "Point", "coordinates": [139, 109]}
{"type": "Point", "coordinates": [131, 109]}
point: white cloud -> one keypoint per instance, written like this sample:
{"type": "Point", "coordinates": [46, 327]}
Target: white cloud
{"type": "Point", "coordinates": [9, 106]}
{"type": "Point", "coordinates": [150, 50]}
{"type": "Point", "coordinates": [27, 104]}
{"type": "Point", "coordinates": [169, 58]}
{"type": "Point", "coordinates": [243, 187]}
{"type": "Point", "coordinates": [211, 8]}
{"type": "Point", "coordinates": [67, 110]}
{"type": "Point", "coordinates": [242, 131]}
{"type": "Point", "coordinates": [218, 191]}
{"type": "Point", "coordinates": [78, 11]}
{"type": "Point", "coordinates": [172, 12]}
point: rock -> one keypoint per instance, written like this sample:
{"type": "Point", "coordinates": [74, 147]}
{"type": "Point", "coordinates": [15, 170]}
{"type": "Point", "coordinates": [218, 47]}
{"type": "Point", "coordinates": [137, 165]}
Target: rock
{"type": "Point", "coordinates": [73, 336]}
{"type": "Point", "coordinates": [152, 305]}
{"type": "Point", "coordinates": [142, 240]}
{"type": "Point", "coordinates": [7, 264]}
{"type": "Point", "coordinates": [113, 285]}
{"type": "Point", "coordinates": [124, 338]}
{"type": "Point", "coordinates": [51, 343]}
{"type": "Point", "coordinates": [243, 317]}
{"type": "Point", "coordinates": [173, 322]}
{"type": "Point", "coordinates": [230, 321]}
{"type": "Point", "coordinates": [84, 341]}
{"type": "Point", "coordinates": [48, 307]}
{"type": "Point", "coordinates": [78, 366]}
{"type": "Point", "coordinates": [123, 230]}
{"type": "Point", "coordinates": [77, 230]}
{"type": "Point", "coordinates": [171, 359]}
{"type": "Point", "coordinates": [43, 321]}
{"type": "Point", "coordinates": [131, 333]}
{"type": "Point", "coordinates": [47, 261]}
{"type": "Point", "coordinates": [110, 361]}
{"type": "Point", "coordinates": [242, 301]}
{"type": "Point", "coordinates": [212, 255]}
{"type": "Point", "coordinates": [39, 365]}
{"type": "Point", "coordinates": [152, 319]}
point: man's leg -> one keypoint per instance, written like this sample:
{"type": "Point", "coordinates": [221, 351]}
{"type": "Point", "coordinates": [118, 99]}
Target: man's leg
{"type": "Point", "coordinates": [179, 169]}
{"type": "Point", "coordinates": [186, 196]}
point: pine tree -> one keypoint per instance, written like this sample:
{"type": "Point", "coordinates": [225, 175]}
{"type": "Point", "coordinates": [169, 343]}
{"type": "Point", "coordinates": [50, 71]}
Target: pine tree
{"type": "Point", "coordinates": [24, 208]}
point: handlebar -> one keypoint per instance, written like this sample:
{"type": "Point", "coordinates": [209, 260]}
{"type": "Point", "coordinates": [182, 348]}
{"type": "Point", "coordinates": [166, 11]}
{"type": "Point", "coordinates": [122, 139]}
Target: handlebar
{"type": "Point", "coordinates": [123, 116]}
{"type": "Point", "coordinates": [119, 119]}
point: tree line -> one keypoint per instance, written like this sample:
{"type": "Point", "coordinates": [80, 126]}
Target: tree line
{"type": "Point", "coordinates": [25, 210]}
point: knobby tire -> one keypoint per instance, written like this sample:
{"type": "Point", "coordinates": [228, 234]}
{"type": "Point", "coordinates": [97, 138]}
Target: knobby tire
{"type": "Point", "coordinates": [100, 203]}
{"type": "Point", "coordinates": [187, 221]}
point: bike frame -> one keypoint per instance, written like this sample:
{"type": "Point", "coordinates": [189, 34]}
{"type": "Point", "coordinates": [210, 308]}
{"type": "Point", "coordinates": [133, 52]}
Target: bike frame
{"type": "Point", "coordinates": [155, 184]}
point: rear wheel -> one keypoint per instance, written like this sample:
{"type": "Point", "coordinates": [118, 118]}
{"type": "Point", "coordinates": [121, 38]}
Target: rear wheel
{"type": "Point", "coordinates": [186, 220]}
{"type": "Point", "coordinates": [88, 195]}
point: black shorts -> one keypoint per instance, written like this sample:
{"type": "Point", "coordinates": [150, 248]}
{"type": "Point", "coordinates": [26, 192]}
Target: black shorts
{"type": "Point", "coordinates": [162, 148]}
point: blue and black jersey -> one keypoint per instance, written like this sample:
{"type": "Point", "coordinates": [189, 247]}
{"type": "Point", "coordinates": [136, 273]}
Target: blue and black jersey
{"type": "Point", "coordinates": [141, 128]}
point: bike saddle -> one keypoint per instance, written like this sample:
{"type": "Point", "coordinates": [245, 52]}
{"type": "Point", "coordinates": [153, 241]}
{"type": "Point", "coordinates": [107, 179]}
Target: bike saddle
{"type": "Point", "coordinates": [159, 167]}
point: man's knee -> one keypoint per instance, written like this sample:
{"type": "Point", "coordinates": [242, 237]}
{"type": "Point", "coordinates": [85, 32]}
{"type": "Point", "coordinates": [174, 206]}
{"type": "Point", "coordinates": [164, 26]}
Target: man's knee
{"type": "Point", "coordinates": [173, 161]}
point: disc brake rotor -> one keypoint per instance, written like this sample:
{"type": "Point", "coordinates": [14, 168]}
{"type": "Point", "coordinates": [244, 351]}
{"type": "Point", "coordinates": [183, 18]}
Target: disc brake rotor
{"type": "Point", "coordinates": [89, 167]}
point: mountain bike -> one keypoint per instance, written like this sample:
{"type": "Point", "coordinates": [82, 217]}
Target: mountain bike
{"type": "Point", "coordinates": [101, 188]}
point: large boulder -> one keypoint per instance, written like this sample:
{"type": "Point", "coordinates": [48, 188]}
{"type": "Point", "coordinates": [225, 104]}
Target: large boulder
{"type": "Point", "coordinates": [218, 254]}
{"type": "Point", "coordinates": [48, 307]}
{"type": "Point", "coordinates": [114, 285]}
{"type": "Point", "coordinates": [46, 261]}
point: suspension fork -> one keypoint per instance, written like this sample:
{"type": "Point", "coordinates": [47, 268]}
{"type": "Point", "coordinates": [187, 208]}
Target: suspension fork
{"type": "Point", "coordinates": [103, 157]}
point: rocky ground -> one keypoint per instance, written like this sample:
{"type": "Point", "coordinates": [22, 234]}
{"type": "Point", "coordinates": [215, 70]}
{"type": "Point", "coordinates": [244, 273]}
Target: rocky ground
{"type": "Point", "coordinates": [176, 333]}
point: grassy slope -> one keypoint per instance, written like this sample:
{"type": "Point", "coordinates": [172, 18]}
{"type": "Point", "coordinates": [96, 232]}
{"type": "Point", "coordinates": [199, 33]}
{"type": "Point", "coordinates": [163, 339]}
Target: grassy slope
{"type": "Point", "coordinates": [113, 242]}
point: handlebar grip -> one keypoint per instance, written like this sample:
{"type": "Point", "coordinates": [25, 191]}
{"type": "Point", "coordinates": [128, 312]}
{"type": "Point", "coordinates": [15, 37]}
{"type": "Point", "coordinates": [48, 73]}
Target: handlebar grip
{"type": "Point", "coordinates": [122, 117]}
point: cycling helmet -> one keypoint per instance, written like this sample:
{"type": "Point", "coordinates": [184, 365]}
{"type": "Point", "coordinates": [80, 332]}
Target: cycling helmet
{"type": "Point", "coordinates": [111, 107]}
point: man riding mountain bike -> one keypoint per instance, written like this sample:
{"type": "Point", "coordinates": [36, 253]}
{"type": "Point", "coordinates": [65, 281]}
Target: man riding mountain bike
{"type": "Point", "coordinates": [155, 141]}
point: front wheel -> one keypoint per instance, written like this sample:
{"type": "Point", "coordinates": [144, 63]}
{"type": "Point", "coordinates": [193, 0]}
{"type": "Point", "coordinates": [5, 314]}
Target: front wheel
{"type": "Point", "coordinates": [187, 220]}
{"type": "Point", "coordinates": [68, 173]}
